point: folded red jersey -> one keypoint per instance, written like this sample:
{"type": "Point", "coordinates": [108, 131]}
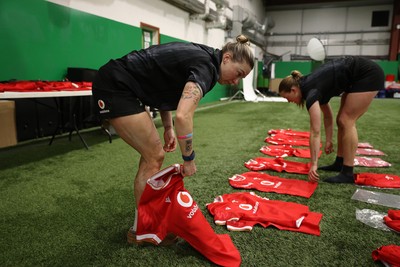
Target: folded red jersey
{"type": "Point", "coordinates": [370, 162]}
{"type": "Point", "coordinates": [389, 255]}
{"type": "Point", "coordinates": [277, 164]}
{"type": "Point", "coordinates": [286, 151]}
{"type": "Point", "coordinates": [290, 132]}
{"type": "Point", "coordinates": [377, 180]}
{"type": "Point", "coordinates": [392, 220]}
{"type": "Point", "coordinates": [369, 152]}
{"type": "Point", "coordinates": [241, 211]}
{"type": "Point", "coordinates": [267, 183]}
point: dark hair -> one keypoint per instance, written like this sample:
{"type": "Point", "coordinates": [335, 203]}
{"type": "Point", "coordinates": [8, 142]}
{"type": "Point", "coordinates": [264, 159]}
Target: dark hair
{"type": "Point", "coordinates": [289, 81]}
{"type": "Point", "coordinates": [240, 50]}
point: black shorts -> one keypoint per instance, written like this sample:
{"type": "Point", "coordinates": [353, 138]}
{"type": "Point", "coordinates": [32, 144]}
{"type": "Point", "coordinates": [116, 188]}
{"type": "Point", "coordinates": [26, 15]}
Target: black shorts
{"type": "Point", "coordinates": [367, 76]}
{"type": "Point", "coordinates": [112, 101]}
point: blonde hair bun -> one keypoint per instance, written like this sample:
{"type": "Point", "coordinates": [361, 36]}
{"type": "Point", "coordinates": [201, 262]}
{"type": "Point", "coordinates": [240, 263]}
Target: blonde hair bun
{"type": "Point", "coordinates": [242, 39]}
{"type": "Point", "coordinates": [296, 74]}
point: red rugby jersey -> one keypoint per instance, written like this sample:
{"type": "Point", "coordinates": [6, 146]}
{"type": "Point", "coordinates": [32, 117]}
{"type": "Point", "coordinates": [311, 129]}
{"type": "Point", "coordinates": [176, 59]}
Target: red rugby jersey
{"type": "Point", "coordinates": [370, 162]}
{"type": "Point", "coordinates": [282, 139]}
{"type": "Point", "coordinates": [167, 207]}
{"type": "Point", "coordinates": [291, 132]}
{"type": "Point", "coordinates": [277, 164]}
{"type": "Point", "coordinates": [241, 211]}
{"type": "Point", "coordinates": [369, 152]}
{"type": "Point", "coordinates": [392, 220]}
{"type": "Point", "coordinates": [389, 254]}
{"type": "Point", "coordinates": [277, 150]}
{"type": "Point", "coordinates": [377, 180]}
{"type": "Point", "coordinates": [268, 183]}
{"type": "Point", "coordinates": [286, 151]}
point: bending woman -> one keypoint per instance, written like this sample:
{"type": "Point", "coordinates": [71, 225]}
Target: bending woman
{"type": "Point", "coordinates": [357, 80]}
{"type": "Point", "coordinates": [172, 76]}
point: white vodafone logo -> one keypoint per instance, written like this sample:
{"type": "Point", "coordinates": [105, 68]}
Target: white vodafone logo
{"type": "Point", "coordinates": [184, 199]}
{"type": "Point", "coordinates": [267, 183]}
{"type": "Point", "coordinates": [101, 104]}
{"type": "Point", "coordinates": [237, 178]}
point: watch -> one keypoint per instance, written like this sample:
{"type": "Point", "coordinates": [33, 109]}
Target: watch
{"type": "Point", "coordinates": [189, 158]}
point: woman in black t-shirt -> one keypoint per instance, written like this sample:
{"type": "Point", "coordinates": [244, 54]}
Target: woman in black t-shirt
{"type": "Point", "coordinates": [357, 80]}
{"type": "Point", "coordinates": [172, 76]}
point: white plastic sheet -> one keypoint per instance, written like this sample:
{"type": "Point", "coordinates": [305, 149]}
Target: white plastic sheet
{"type": "Point", "coordinates": [378, 198]}
{"type": "Point", "coordinates": [372, 218]}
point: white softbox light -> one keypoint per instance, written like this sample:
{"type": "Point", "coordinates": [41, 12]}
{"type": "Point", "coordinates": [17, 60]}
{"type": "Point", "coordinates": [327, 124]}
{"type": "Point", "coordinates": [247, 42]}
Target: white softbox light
{"type": "Point", "coordinates": [316, 49]}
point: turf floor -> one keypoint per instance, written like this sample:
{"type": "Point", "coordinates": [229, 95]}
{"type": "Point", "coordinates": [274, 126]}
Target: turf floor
{"type": "Point", "coordinates": [63, 205]}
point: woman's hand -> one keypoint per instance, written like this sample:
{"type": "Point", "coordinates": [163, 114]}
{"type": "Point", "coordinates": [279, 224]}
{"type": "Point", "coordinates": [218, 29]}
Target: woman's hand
{"type": "Point", "coordinates": [328, 147]}
{"type": "Point", "coordinates": [313, 176]}
{"type": "Point", "coordinates": [169, 140]}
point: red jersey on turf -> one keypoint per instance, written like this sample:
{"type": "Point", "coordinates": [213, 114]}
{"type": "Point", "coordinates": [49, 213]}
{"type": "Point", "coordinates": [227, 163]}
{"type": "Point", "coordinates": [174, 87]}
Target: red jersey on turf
{"type": "Point", "coordinates": [277, 164]}
{"type": "Point", "coordinates": [377, 179]}
{"type": "Point", "coordinates": [369, 152]}
{"type": "Point", "coordinates": [389, 254]}
{"type": "Point", "coordinates": [364, 145]}
{"type": "Point", "coordinates": [167, 207]}
{"type": "Point", "coordinates": [370, 162]}
{"type": "Point", "coordinates": [241, 211]}
{"type": "Point", "coordinates": [392, 220]}
{"type": "Point", "coordinates": [277, 150]}
{"type": "Point", "coordinates": [267, 183]}
{"type": "Point", "coordinates": [304, 153]}
{"type": "Point", "coordinates": [286, 151]}
{"type": "Point", "coordinates": [282, 139]}
{"type": "Point", "coordinates": [290, 132]}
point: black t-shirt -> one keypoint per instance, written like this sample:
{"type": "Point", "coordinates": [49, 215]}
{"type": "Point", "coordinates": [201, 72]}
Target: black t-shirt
{"type": "Point", "coordinates": [329, 80]}
{"type": "Point", "coordinates": [158, 74]}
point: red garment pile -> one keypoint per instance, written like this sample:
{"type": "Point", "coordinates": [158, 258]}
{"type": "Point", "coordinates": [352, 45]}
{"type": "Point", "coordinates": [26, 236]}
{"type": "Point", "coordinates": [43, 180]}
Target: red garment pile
{"type": "Point", "coordinates": [392, 220]}
{"type": "Point", "coordinates": [44, 86]}
{"type": "Point", "coordinates": [389, 255]}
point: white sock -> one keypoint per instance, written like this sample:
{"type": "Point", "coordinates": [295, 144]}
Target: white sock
{"type": "Point", "coordinates": [134, 227]}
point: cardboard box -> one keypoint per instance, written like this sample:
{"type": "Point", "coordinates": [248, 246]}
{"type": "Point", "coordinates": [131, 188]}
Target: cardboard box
{"type": "Point", "coordinates": [8, 132]}
{"type": "Point", "coordinates": [274, 85]}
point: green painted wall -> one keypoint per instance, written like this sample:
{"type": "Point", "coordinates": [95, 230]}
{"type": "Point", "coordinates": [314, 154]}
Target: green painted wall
{"type": "Point", "coordinates": [40, 40]}
{"type": "Point", "coordinates": [261, 81]}
{"type": "Point", "coordinates": [284, 68]}
{"type": "Point", "coordinates": [390, 67]}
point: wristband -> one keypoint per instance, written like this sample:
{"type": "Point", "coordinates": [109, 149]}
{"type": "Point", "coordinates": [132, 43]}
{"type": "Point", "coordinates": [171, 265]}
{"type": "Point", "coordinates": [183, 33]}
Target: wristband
{"type": "Point", "coordinates": [189, 158]}
{"type": "Point", "coordinates": [185, 136]}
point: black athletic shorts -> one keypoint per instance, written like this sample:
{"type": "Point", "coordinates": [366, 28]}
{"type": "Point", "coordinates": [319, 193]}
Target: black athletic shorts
{"type": "Point", "coordinates": [367, 76]}
{"type": "Point", "coordinates": [112, 101]}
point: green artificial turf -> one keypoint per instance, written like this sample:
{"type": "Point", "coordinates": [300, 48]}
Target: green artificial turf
{"type": "Point", "coordinates": [63, 205]}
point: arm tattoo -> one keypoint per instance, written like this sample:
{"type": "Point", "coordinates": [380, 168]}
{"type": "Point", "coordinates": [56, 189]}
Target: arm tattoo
{"type": "Point", "coordinates": [188, 145]}
{"type": "Point", "coordinates": [192, 92]}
